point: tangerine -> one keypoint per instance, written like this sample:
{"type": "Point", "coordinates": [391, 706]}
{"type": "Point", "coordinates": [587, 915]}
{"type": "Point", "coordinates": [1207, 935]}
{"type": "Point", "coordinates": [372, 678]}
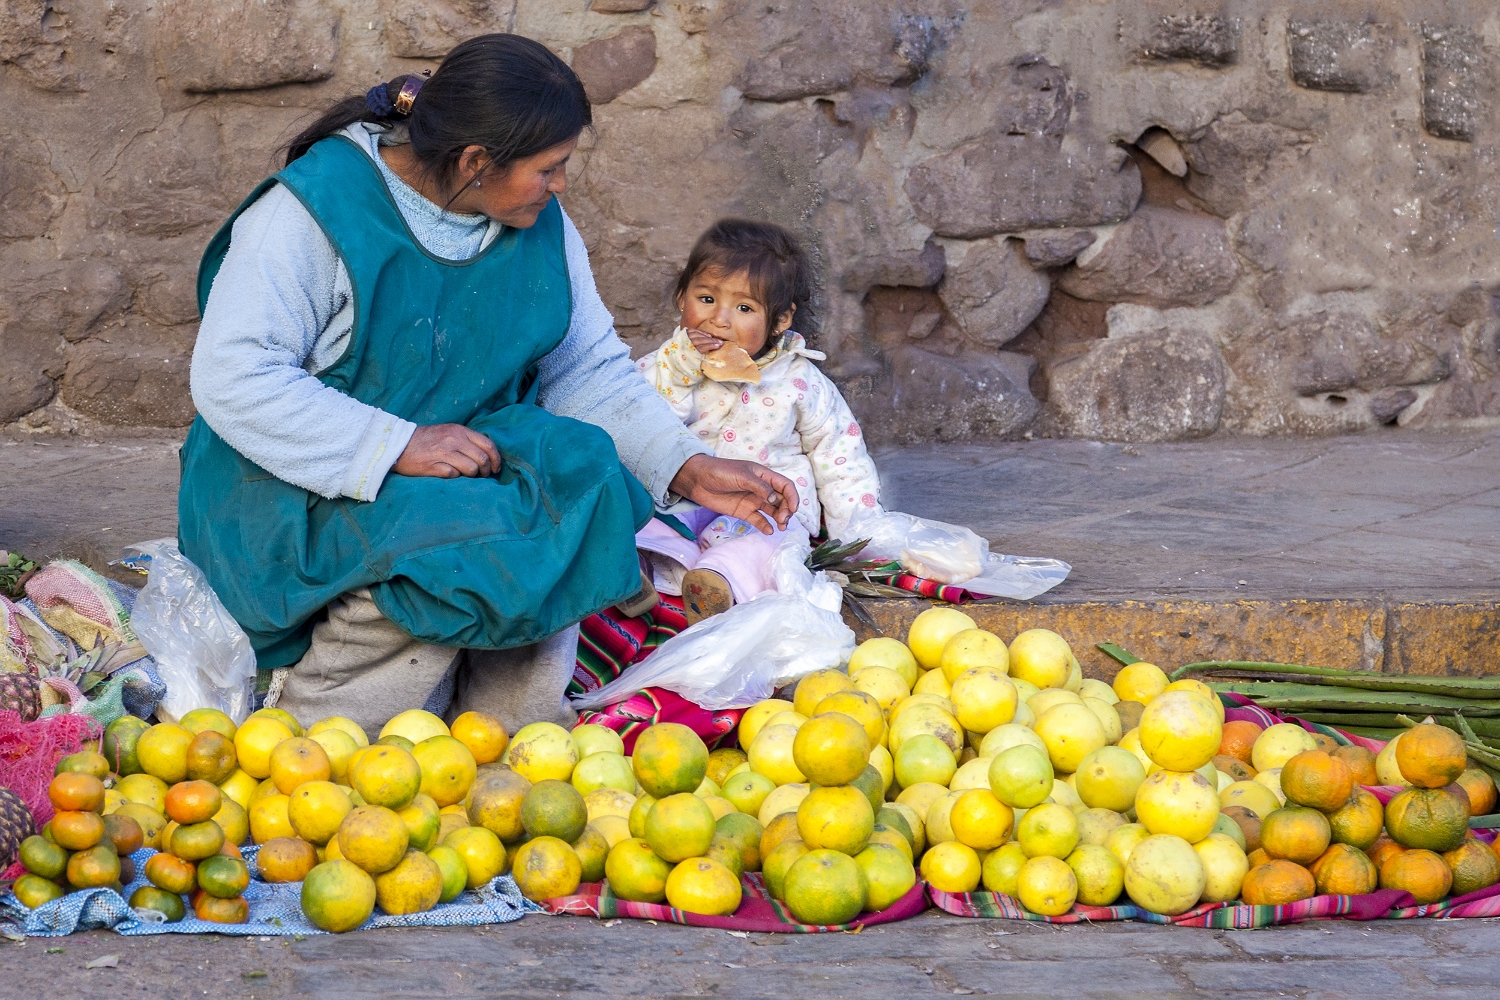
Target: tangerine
{"type": "Point", "coordinates": [1048, 885]}
{"type": "Point", "coordinates": [196, 841]}
{"type": "Point", "coordinates": [1318, 779]}
{"type": "Point", "coordinates": [374, 838]}
{"type": "Point", "coordinates": [97, 866]}
{"type": "Point", "coordinates": [484, 735]}
{"type": "Point", "coordinates": [76, 791]}
{"type": "Point", "coordinates": [1295, 833]}
{"type": "Point", "coordinates": [235, 910]}
{"type": "Point", "coordinates": [1277, 883]}
{"type": "Point", "coordinates": [222, 876]}
{"type": "Point", "coordinates": [1357, 822]}
{"type": "Point", "coordinates": [211, 757]}
{"type": "Point", "coordinates": [124, 833]}
{"type": "Point", "coordinates": [284, 859]}
{"type": "Point", "coordinates": [1238, 739]}
{"type": "Point", "coordinates": [1361, 763]}
{"type": "Point", "coordinates": [1474, 867]}
{"type": "Point", "coordinates": [1431, 818]}
{"type": "Point", "coordinates": [76, 830]}
{"type": "Point", "coordinates": [1344, 870]}
{"type": "Point", "coordinates": [1480, 788]}
{"type": "Point", "coordinates": [1431, 756]}
{"type": "Point", "coordinates": [192, 801]}
{"type": "Point", "coordinates": [1420, 872]}
{"type": "Point", "coordinates": [1383, 849]}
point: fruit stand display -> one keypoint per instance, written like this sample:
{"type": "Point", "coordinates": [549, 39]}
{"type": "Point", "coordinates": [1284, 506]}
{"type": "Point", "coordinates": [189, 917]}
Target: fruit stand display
{"type": "Point", "coordinates": [989, 778]}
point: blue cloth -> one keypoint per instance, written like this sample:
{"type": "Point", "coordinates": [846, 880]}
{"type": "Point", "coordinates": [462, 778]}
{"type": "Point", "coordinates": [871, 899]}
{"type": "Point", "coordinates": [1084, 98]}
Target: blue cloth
{"type": "Point", "coordinates": [275, 910]}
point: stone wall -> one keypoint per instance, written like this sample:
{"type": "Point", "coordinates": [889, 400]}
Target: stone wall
{"type": "Point", "coordinates": [1126, 219]}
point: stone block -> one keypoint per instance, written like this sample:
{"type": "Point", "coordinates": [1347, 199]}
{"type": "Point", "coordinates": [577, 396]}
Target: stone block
{"type": "Point", "coordinates": [1452, 68]}
{"type": "Point", "coordinates": [427, 29]}
{"type": "Point", "coordinates": [990, 291]}
{"type": "Point", "coordinates": [66, 298]}
{"type": "Point", "coordinates": [1347, 56]}
{"type": "Point", "coordinates": [1056, 249]}
{"type": "Point", "coordinates": [167, 181]}
{"type": "Point", "coordinates": [25, 360]}
{"type": "Point", "coordinates": [619, 6]}
{"type": "Point", "coordinates": [1009, 183]}
{"type": "Point", "coordinates": [213, 45]}
{"type": "Point", "coordinates": [1235, 158]}
{"type": "Point", "coordinates": [32, 195]}
{"type": "Point", "coordinates": [610, 66]}
{"type": "Point", "coordinates": [955, 397]}
{"type": "Point", "coordinates": [1208, 39]}
{"type": "Point", "coordinates": [1161, 386]}
{"type": "Point", "coordinates": [34, 37]}
{"type": "Point", "coordinates": [1159, 257]}
{"type": "Point", "coordinates": [129, 377]}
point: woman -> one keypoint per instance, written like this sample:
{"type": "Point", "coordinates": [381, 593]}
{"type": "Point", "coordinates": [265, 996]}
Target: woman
{"type": "Point", "coordinates": [421, 452]}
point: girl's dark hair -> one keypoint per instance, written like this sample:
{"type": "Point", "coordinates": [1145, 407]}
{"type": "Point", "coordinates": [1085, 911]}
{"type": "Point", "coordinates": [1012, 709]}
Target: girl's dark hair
{"type": "Point", "coordinates": [506, 93]}
{"type": "Point", "coordinates": [780, 273]}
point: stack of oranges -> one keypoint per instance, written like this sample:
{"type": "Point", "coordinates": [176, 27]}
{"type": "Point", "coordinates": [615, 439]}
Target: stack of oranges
{"type": "Point", "coordinates": [79, 848]}
{"type": "Point", "coordinates": [196, 857]}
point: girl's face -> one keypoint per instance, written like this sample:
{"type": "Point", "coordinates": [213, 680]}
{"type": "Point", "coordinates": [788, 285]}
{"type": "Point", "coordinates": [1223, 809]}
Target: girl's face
{"type": "Point", "coordinates": [722, 306]}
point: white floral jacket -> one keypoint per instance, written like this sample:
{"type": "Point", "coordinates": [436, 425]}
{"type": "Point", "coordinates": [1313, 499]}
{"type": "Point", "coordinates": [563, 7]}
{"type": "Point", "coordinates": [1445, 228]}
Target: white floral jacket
{"type": "Point", "coordinates": [795, 422]}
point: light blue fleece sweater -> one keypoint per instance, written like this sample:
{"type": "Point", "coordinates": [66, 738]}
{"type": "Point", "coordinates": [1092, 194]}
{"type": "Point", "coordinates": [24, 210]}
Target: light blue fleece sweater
{"type": "Point", "coordinates": [281, 310]}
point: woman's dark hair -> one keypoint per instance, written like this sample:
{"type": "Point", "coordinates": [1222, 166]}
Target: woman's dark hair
{"type": "Point", "coordinates": [506, 93]}
{"type": "Point", "coordinates": [780, 273]}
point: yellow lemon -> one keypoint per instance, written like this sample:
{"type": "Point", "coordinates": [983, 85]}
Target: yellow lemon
{"type": "Point", "coordinates": [921, 796]}
{"type": "Point", "coordinates": [973, 648]}
{"type": "Point", "coordinates": [269, 819]}
{"type": "Point", "coordinates": [883, 684]}
{"type": "Point", "coordinates": [608, 802]}
{"type": "Point", "coordinates": [930, 632]}
{"type": "Point", "coordinates": [1050, 698]}
{"type": "Point", "coordinates": [756, 716]}
{"type": "Point", "coordinates": [612, 828]}
{"type": "Point", "coordinates": [952, 867]}
{"type": "Point", "coordinates": [1047, 885]}
{"type": "Point", "coordinates": [254, 740]}
{"type": "Point", "coordinates": [281, 715]}
{"type": "Point", "coordinates": [1071, 733]}
{"type": "Point", "coordinates": [1048, 829]}
{"type": "Point", "coordinates": [887, 653]}
{"type": "Point", "coordinates": [984, 698]}
{"type": "Point", "coordinates": [816, 686]}
{"type": "Point", "coordinates": [1181, 803]}
{"type": "Point", "coordinates": [1140, 682]}
{"type": "Point", "coordinates": [974, 774]}
{"type": "Point", "coordinates": [1100, 875]}
{"type": "Point", "coordinates": [145, 789]}
{"type": "Point", "coordinates": [1109, 719]}
{"type": "Point", "coordinates": [884, 765]}
{"type": "Point", "coordinates": [1042, 657]}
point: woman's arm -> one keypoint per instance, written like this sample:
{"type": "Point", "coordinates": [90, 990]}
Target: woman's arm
{"type": "Point", "coordinates": [842, 468]}
{"type": "Point", "coordinates": [590, 377]}
{"type": "Point", "coordinates": [279, 311]}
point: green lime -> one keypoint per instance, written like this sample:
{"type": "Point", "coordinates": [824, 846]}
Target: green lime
{"type": "Point", "coordinates": [120, 739]}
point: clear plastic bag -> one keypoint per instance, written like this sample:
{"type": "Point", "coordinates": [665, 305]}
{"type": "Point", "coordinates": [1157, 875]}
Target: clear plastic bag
{"type": "Point", "coordinates": [950, 553]}
{"type": "Point", "coordinates": [739, 657]}
{"type": "Point", "coordinates": [793, 578]}
{"type": "Point", "coordinates": [203, 655]}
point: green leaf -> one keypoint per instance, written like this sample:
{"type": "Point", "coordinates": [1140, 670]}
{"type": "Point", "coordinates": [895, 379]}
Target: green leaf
{"type": "Point", "coordinates": [1120, 653]}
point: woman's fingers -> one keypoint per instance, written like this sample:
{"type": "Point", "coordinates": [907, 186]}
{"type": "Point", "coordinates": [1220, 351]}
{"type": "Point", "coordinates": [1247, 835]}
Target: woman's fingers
{"type": "Point", "coordinates": [448, 451]}
{"type": "Point", "coordinates": [491, 453]}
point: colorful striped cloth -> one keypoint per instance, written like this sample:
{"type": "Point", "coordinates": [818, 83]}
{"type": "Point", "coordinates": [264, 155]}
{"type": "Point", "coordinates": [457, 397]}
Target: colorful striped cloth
{"type": "Point", "coordinates": [757, 910]}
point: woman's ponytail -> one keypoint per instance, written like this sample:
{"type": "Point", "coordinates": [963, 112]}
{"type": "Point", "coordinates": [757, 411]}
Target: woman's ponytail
{"type": "Point", "coordinates": [376, 106]}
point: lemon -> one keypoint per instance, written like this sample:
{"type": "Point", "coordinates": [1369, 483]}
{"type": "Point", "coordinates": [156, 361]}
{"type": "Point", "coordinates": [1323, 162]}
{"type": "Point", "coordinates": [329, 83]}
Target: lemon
{"type": "Point", "coordinates": [973, 648]}
{"type": "Point", "coordinates": [1021, 777]}
{"type": "Point", "coordinates": [952, 867]}
{"type": "Point", "coordinates": [1047, 885]}
{"type": "Point", "coordinates": [884, 765]}
{"type": "Point", "coordinates": [883, 684]}
{"type": "Point", "coordinates": [1198, 687]}
{"type": "Point", "coordinates": [1100, 875]}
{"type": "Point", "coordinates": [1165, 875]}
{"type": "Point", "coordinates": [1001, 866]}
{"type": "Point", "coordinates": [339, 747]}
{"type": "Point", "coordinates": [1048, 830]}
{"type": "Point", "coordinates": [1042, 657]}
{"type": "Point", "coordinates": [1071, 733]}
{"type": "Point", "coordinates": [930, 632]}
{"type": "Point", "coordinates": [1108, 778]}
{"type": "Point", "coordinates": [1180, 730]}
{"type": "Point", "coordinates": [887, 653]}
{"type": "Point", "coordinates": [1140, 682]}
{"type": "Point", "coordinates": [1386, 768]}
{"type": "Point", "coordinates": [984, 699]}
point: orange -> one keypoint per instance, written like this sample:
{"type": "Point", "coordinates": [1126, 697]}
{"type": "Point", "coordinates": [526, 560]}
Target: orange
{"type": "Point", "coordinates": [151, 822]}
{"type": "Point", "coordinates": [1277, 883]}
{"type": "Point", "coordinates": [316, 809]}
{"type": "Point", "coordinates": [778, 831]}
{"type": "Point", "coordinates": [702, 885]}
{"type": "Point", "coordinates": [211, 757]}
{"type": "Point", "coordinates": [546, 868]}
{"type": "Point", "coordinates": [221, 911]}
{"type": "Point", "coordinates": [484, 735]}
{"type": "Point", "coordinates": [234, 821]}
{"type": "Point", "coordinates": [171, 873]}
{"type": "Point", "coordinates": [1474, 867]}
{"type": "Point", "coordinates": [298, 760]}
{"type": "Point", "coordinates": [1431, 818]}
{"type": "Point", "coordinates": [1383, 850]}
{"type": "Point", "coordinates": [483, 855]}
{"type": "Point", "coordinates": [593, 849]}
{"type": "Point", "coordinates": [196, 841]}
{"type": "Point", "coordinates": [554, 808]}
{"type": "Point", "coordinates": [253, 742]}
{"type": "Point", "coordinates": [1249, 824]}
{"type": "Point", "coordinates": [162, 751]}
{"type": "Point", "coordinates": [192, 801]}
{"type": "Point", "coordinates": [1317, 779]}
{"type": "Point", "coordinates": [831, 749]}
{"type": "Point", "coordinates": [1343, 870]}
{"type": "Point", "coordinates": [349, 726]}
{"type": "Point", "coordinates": [980, 820]}
{"type": "Point", "coordinates": [413, 886]}
{"type": "Point", "coordinates": [1358, 821]}
{"type": "Point", "coordinates": [1258, 857]}
{"type": "Point", "coordinates": [448, 769]}
{"type": "Point", "coordinates": [338, 896]}
{"type": "Point", "coordinates": [1420, 872]}
{"type": "Point", "coordinates": [857, 705]}
{"type": "Point", "coordinates": [285, 859]}
{"type": "Point", "coordinates": [745, 833]}
{"type": "Point", "coordinates": [635, 873]}
{"type": "Point", "coordinates": [76, 831]}
{"type": "Point", "coordinates": [374, 838]}
{"type": "Point", "coordinates": [1295, 833]}
{"type": "Point", "coordinates": [669, 759]}
{"type": "Point", "coordinates": [1431, 756]}
{"type": "Point", "coordinates": [814, 687]}
{"type": "Point", "coordinates": [223, 876]}
{"type": "Point", "coordinates": [836, 817]}
{"type": "Point", "coordinates": [386, 776]}
{"type": "Point", "coordinates": [74, 791]}
{"type": "Point", "coordinates": [94, 867]}
{"type": "Point", "coordinates": [495, 803]}
{"type": "Point", "coordinates": [1238, 739]}
{"type": "Point", "coordinates": [1361, 762]}
{"type": "Point", "coordinates": [681, 826]}
{"type": "Point", "coordinates": [1480, 788]}
{"type": "Point", "coordinates": [827, 887]}
{"type": "Point", "coordinates": [1237, 769]}
{"type": "Point", "coordinates": [269, 819]}
{"type": "Point", "coordinates": [125, 833]}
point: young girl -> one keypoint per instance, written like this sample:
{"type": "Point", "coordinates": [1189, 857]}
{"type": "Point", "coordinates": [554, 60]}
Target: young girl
{"type": "Point", "coordinates": [742, 286]}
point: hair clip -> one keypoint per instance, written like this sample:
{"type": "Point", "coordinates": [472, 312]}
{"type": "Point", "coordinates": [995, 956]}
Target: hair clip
{"type": "Point", "coordinates": [408, 95]}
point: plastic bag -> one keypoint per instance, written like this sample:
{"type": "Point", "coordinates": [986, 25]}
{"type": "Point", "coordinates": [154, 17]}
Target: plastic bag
{"type": "Point", "coordinates": [793, 578]}
{"type": "Point", "coordinates": [203, 655]}
{"type": "Point", "coordinates": [739, 657]}
{"type": "Point", "coordinates": [950, 553]}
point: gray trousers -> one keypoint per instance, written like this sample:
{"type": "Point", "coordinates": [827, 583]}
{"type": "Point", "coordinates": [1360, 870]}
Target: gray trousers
{"type": "Point", "coordinates": [362, 666]}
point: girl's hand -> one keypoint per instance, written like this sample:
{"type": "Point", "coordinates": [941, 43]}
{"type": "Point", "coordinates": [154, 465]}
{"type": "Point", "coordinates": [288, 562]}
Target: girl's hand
{"type": "Point", "coordinates": [750, 492]}
{"type": "Point", "coordinates": [448, 451]}
{"type": "Point", "coordinates": [704, 343]}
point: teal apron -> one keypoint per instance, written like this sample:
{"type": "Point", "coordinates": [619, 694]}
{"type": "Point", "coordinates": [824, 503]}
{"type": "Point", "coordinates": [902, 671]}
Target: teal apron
{"type": "Point", "coordinates": [476, 563]}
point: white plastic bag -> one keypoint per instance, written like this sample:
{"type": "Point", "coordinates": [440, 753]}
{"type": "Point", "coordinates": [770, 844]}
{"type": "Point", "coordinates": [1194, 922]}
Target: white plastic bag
{"type": "Point", "coordinates": [739, 657]}
{"type": "Point", "coordinates": [793, 578]}
{"type": "Point", "coordinates": [203, 655]}
{"type": "Point", "coordinates": [949, 553]}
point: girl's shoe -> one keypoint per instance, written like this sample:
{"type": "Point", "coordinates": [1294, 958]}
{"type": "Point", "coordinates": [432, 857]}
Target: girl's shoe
{"type": "Point", "coordinates": [704, 594]}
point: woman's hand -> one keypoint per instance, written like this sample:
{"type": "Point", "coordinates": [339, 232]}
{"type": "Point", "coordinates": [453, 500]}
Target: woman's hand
{"type": "Point", "coordinates": [448, 451]}
{"type": "Point", "coordinates": [744, 490]}
{"type": "Point", "coordinates": [704, 343]}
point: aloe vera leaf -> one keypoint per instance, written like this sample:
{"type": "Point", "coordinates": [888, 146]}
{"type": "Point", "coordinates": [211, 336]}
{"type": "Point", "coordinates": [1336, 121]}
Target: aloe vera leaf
{"type": "Point", "coordinates": [1368, 680]}
{"type": "Point", "coordinates": [1120, 653]}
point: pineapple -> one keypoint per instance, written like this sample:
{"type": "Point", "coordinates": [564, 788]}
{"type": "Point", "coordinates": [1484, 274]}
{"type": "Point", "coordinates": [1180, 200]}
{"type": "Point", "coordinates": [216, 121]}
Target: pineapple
{"type": "Point", "coordinates": [16, 825]}
{"type": "Point", "coordinates": [22, 694]}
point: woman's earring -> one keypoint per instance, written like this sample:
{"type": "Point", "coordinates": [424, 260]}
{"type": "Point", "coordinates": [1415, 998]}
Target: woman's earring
{"type": "Point", "coordinates": [479, 184]}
